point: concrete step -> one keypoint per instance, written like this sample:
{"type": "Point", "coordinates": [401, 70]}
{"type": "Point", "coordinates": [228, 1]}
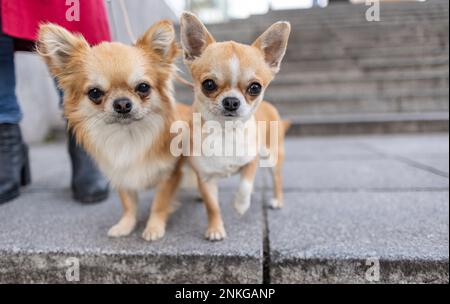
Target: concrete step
{"type": "Point", "coordinates": [438, 62]}
{"type": "Point", "coordinates": [351, 39]}
{"type": "Point", "coordinates": [319, 103]}
{"type": "Point", "coordinates": [427, 78]}
{"type": "Point", "coordinates": [324, 18]}
{"type": "Point", "coordinates": [359, 98]}
{"type": "Point", "coordinates": [349, 20]}
{"type": "Point", "coordinates": [353, 53]}
{"type": "Point", "coordinates": [330, 227]}
{"type": "Point", "coordinates": [372, 66]}
{"type": "Point", "coordinates": [371, 123]}
{"type": "Point", "coordinates": [356, 247]}
{"type": "Point", "coordinates": [371, 34]}
{"type": "Point", "coordinates": [353, 242]}
{"type": "Point", "coordinates": [366, 88]}
{"type": "Point", "coordinates": [380, 59]}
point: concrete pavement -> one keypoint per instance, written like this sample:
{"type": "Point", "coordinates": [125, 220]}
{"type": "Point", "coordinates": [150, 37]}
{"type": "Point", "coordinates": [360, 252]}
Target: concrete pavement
{"type": "Point", "coordinates": [358, 209]}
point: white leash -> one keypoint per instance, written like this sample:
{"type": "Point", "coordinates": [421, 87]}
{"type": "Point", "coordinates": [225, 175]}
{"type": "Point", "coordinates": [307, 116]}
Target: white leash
{"type": "Point", "coordinates": [126, 19]}
{"type": "Point", "coordinates": [113, 19]}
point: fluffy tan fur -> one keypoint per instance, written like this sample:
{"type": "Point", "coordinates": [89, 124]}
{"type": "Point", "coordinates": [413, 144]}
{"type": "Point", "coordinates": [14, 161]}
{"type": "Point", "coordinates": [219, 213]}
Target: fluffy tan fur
{"type": "Point", "coordinates": [233, 67]}
{"type": "Point", "coordinates": [134, 152]}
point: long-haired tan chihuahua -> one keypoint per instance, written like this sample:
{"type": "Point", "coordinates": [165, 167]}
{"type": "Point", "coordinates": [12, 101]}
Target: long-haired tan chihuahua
{"type": "Point", "coordinates": [118, 101]}
{"type": "Point", "coordinates": [230, 80]}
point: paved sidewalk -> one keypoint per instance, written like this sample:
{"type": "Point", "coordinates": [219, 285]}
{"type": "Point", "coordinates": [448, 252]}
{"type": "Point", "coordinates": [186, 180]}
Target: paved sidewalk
{"type": "Point", "coordinates": [349, 201]}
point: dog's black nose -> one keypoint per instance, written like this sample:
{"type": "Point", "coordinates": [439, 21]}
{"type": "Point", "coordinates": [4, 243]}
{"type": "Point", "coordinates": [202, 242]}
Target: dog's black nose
{"type": "Point", "coordinates": [122, 105]}
{"type": "Point", "coordinates": [231, 104]}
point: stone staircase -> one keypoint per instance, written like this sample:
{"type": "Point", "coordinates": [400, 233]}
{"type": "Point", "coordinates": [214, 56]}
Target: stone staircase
{"type": "Point", "coordinates": [343, 74]}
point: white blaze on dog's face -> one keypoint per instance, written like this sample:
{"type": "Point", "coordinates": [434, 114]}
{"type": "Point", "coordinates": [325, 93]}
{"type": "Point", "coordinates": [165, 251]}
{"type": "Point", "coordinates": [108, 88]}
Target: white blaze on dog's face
{"type": "Point", "coordinates": [111, 83]}
{"type": "Point", "coordinates": [230, 78]}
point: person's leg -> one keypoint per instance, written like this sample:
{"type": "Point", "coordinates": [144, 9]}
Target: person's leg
{"type": "Point", "coordinates": [14, 167]}
{"type": "Point", "coordinates": [9, 108]}
{"type": "Point", "coordinates": [88, 184]}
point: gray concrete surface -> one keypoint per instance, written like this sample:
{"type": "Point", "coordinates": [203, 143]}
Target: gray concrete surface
{"type": "Point", "coordinates": [346, 174]}
{"type": "Point", "coordinates": [347, 199]}
{"type": "Point", "coordinates": [42, 229]}
{"type": "Point", "coordinates": [327, 237]}
{"type": "Point", "coordinates": [360, 198]}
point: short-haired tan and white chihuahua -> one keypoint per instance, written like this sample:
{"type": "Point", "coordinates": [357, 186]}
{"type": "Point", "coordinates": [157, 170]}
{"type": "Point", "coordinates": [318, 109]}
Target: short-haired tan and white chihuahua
{"type": "Point", "coordinates": [118, 100]}
{"type": "Point", "coordinates": [229, 82]}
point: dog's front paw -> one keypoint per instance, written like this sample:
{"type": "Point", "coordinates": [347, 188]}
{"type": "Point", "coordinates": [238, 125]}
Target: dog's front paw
{"type": "Point", "coordinates": [242, 202]}
{"type": "Point", "coordinates": [216, 233]}
{"type": "Point", "coordinates": [276, 204]}
{"type": "Point", "coordinates": [153, 232]}
{"type": "Point", "coordinates": [123, 228]}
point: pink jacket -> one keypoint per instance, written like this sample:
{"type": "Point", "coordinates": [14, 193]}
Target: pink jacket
{"type": "Point", "coordinates": [21, 18]}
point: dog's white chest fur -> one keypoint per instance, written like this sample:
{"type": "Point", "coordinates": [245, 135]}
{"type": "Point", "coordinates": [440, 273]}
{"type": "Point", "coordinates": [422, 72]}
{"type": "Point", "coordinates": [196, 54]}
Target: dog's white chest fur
{"type": "Point", "coordinates": [135, 175]}
{"type": "Point", "coordinates": [122, 154]}
{"type": "Point", "coordinates": [224, 165]}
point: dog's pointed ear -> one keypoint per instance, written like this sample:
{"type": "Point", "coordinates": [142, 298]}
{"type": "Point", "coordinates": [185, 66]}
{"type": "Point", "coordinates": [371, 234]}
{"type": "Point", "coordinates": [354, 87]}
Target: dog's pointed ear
{"type": "Point", "coordinates": [57, 46]}
{"type": "Point", "coordinates": [160, 39]}
{"type": "Point", "coordinates": [194, 36]}
{"type": "Point", "coordinates": [273, 43]}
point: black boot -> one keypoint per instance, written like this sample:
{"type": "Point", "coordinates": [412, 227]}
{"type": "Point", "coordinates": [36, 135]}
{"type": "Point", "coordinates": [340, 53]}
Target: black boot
{"type": "Point", "coordinates": [14, 164]}
{"type": "Point", "coordinates": [88, 183]}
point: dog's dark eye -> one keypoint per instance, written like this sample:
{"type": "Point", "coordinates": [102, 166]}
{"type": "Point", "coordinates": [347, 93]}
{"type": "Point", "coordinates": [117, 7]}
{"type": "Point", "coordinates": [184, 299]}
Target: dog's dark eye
{"type": "Point", "coordinates": [209, 85]}
{"type": "Point", "coordinates": [143, 89]}
{"type": "Point", "coordinates": [96, 95]}
{"type": "Point", "coordinates": [254, 89]}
